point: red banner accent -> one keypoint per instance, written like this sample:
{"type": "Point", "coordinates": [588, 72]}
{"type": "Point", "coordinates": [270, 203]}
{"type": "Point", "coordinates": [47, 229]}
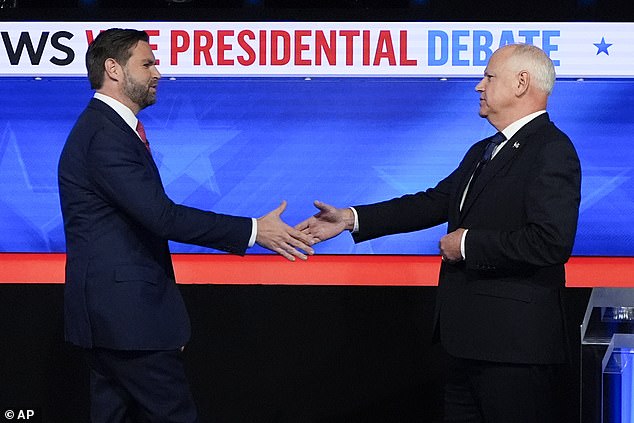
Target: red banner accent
{"type": "Point", "coordinates": [318, 270]}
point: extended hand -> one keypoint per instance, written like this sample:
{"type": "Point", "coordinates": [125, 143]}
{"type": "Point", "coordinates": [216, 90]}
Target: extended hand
{"type": "Point", "coordinates": [449, 246]}
{"type": "Point", "coordinates": [329, 222]}
{"type": "Point", "coordinates": [277, 236]}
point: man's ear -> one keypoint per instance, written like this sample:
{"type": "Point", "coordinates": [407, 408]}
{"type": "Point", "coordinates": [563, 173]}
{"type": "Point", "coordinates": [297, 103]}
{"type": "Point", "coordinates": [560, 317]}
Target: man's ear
{"type": "Point", "coordinates": [113, 69]}
{"type": "Point", "coordinates": [523, 82]}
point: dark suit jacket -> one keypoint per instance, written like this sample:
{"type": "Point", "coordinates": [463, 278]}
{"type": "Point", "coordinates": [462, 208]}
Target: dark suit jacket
{"type": "Point", "coordinates": [503, 302]}
{"type": "Point", "coordinates": [120, 291]}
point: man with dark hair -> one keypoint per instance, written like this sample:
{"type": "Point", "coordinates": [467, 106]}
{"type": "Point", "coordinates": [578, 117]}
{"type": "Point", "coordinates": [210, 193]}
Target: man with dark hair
{"type": "Point", "coordinates": [115, 44]}
{"type": "Point", "coordinates": [122, 304]}
{"type": "Point", "coordinates": [512, 207]}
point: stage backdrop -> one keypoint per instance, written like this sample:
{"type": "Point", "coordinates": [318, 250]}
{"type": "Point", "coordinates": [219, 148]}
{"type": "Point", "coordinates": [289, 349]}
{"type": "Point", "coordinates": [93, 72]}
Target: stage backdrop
{"type": "Point", "coordinates": [250, 114]}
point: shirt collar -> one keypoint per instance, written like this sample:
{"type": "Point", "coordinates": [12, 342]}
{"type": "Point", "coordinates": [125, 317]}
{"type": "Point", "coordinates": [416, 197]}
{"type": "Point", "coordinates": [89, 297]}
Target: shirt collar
{"type": "Point", "coordinates": [512, 129]}
{"type": "Point", "coordinates": [122, 110]}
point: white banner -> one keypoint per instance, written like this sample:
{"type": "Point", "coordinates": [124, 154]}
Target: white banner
{"type": "Point", "coordinates": [424, 49]}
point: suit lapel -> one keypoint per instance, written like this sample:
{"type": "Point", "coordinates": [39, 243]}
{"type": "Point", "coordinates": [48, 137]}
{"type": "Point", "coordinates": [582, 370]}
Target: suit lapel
{"type": "Point", "coordinates": [502, 159]}
{"type": "Point", "coordinates": [499, 162]}
{"type": "Point", "coordinates": [469, 169]}
{"type": "Point", "coordinates": [119, 122]}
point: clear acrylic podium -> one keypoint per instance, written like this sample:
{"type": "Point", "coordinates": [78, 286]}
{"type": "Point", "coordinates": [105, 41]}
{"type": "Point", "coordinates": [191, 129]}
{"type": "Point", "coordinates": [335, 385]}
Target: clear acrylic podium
{"type": "Point", "coordinates": [607, 332]}
{"type": "Point", "coordinates": [618, 374]}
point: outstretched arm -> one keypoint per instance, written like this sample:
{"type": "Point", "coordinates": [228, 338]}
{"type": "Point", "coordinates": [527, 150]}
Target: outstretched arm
{"type": "Point", "coordinates": [329, 222]}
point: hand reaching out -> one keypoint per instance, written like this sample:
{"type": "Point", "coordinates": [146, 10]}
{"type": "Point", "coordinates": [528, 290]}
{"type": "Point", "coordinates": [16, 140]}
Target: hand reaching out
{"type": "Point", "coordinates": [327, 223]}
{"type": "Point", "coordinates": [277, 236]}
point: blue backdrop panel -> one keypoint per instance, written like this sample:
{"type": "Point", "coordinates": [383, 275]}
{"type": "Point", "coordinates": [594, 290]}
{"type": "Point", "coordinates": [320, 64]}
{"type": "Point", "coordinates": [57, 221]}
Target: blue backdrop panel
{"type": "Point", "coordinates": [242, 145]}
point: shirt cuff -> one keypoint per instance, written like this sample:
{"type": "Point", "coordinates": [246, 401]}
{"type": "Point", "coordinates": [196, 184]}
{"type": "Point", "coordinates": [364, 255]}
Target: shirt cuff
{"type": "Point", "coordinates": [356, 220]}
{"type": "Point", "coordinates": [254, 232]}
{"type": "Point", "coordinates": [462, 243]}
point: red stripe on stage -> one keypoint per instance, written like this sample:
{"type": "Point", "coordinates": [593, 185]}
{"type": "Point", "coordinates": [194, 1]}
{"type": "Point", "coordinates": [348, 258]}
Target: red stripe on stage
{"type": "Point", "coordinates": [318, 270]}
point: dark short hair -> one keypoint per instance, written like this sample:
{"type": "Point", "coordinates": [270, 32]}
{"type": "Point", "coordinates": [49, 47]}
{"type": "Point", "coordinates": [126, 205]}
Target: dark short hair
{"type": "Point", "coordinates": [114, 43]}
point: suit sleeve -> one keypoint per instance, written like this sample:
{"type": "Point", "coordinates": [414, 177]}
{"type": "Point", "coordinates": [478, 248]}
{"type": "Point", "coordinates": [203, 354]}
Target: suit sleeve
{"type": "Point", "coordinates": [411, 212]}
{"type": "Point", "coordinates": [551, 207]}
{"type": "Point", "coordinates": [124, 179]}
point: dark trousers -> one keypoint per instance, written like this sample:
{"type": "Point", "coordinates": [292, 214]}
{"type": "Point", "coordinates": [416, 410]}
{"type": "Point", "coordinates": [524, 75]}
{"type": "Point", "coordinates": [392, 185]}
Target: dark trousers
{"type": "Point", "coordinates": [487, 392]}
{"type": "Point", "coordinates": [139, 387]}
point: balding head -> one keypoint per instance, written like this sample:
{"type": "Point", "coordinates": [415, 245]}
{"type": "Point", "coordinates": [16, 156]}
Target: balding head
{"type": "Point", "coordinates": [517, 82]}
{"type": "Point", "coordinates": [536, 62]}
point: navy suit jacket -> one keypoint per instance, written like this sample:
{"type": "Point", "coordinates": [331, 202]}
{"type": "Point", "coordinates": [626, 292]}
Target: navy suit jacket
{"type": "Point", "coordinates": [502, 303]}
{"type": "Point", "coordinates": [120, 290]}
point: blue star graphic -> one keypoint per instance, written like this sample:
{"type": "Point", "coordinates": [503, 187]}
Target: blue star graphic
{"type": "Point", "coordinates": [602, 47]}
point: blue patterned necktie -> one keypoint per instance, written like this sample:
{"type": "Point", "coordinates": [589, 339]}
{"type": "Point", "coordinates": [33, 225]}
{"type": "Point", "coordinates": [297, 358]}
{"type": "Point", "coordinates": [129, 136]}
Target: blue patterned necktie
{"type": "Point", "coordinates": [495, 141]}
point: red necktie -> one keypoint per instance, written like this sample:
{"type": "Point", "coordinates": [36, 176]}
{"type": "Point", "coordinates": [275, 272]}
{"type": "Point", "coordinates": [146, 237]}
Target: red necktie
{"type": "Point", "coordinates": [141, 131]}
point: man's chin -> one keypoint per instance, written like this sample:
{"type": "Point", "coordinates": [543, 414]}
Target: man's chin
{"type": "Point", "coordinates": [148, 102]}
